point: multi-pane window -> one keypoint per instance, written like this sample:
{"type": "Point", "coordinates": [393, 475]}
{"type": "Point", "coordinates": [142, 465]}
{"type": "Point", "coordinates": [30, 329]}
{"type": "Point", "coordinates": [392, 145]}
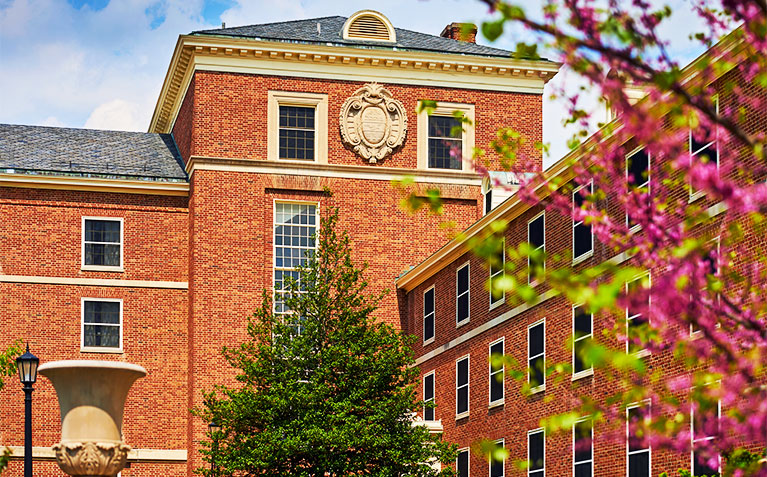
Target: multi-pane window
{"type": "Point", "coordinates": [583, 455]}
{"type": "Point", "coordinates": [536, 453]}
{"type": "Point", "coordinates": [462, 463]}
{"type": "Point", "coordinates": [536, 237]}
{"type": "Point", "coordinates": [101, 324]}
{"type": "Point", "coordinates": [428, 315]}
{"type": "Point", "coordinates": [636, 313]}
{"type": "Point", "coordinates": [428, 397]}
{"type": "Point", "coordinates": [297, 132]}
{"type": "Point", "coordinates": [462, 387]}
{"type": "Point", "coordinates": [582, 335]}
{"type": "Point", "coordinates": [638, 176]}
{"type": "Point", "coordinates": [497, 466]}
{"type": "Point", "coordinates": [536, 355]}
{"type": "Point", "coordinates": [583, 240]}
{"type": "Point", "coordinates": [445, 142]}
{"type": "Point", "coordinates": [638, 460]}
{"type": "Point", "coordinates": [705, 427]}
{"type": "Point", "coordinates": [102, 242]}
{"type": "Point", "coordinates": [496, 372]}
{"type": "Point", "coordinates": [497, 262]}
{"type": "Point", "coordinates": [462, 295]}
{"type": "Point", "coordinates": [704, 145]}
{"type": "Point", "coordinates": [295, 226]}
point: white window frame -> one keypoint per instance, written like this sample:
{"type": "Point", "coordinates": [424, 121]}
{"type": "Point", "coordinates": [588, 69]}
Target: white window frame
{"type": "Point", "coordinates": [121, 326]}
{"type": "Point", "coordinates": [693, 440]}
{"type": "Point", "coordinates": [540, 430]}
{"type": "Point", "coordinates": [530, 280]}
{"type": "Point", "coordinates": [590, 370]}
{"type": "Point", "coordinates": [102, 268]}
{"type": "Point", "coordinates": [502, 442]}
{"type": "Point", "coordinates": [644, 351]}
{"type": "Point", "coordinates": [584, 419]}
{"type": "Point", "coordinates": [433, 315]}
{"type": "Point", "coordinates": [458, 324]}
{"type": "Point", "coordinates": [433, 393]}
{"type": "Point", "coordinates": [467, 139]}
{"type": "Point", "coordinates": [718, 240]}
{"type": "Point", "coordinates": [647, 182]}
{"type": "Point", "coordinates": [465, 414]}
{"type": "Point", "coordinates": [629, 453]}
{"type": "Point", "coordinates": [540, 387]}
{"type": "Point", "coordinates": [467, 450]}
{"type": "Point", "coordinates": [697, 194]}
{"type": "Point", "coordinates": [319, 102]}
{"type": "Point", "coordinates": [491, 373]}
{"type": "Point", "coordinates": [590, 253]}
{"type": "Point", "coordinates": [500, 272]}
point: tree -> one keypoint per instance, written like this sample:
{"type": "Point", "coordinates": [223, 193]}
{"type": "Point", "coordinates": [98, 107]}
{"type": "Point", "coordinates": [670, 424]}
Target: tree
{"type": "Point", "coordinates": [324, 389]}
{"type": "Point", "coordinates": [706, 123]}
{"type": "Point", "coordinates": [8, 368]}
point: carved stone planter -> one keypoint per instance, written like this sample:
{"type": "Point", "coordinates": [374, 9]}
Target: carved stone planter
{"type": "Point", "coordinates": [92, 397]}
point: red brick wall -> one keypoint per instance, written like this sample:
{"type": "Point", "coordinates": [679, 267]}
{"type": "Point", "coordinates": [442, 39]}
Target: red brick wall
{"type": "Point", "coordinates": [183, 127]}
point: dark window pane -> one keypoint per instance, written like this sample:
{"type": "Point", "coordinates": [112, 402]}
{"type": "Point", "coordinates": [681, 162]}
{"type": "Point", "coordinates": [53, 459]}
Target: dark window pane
{"type": "Point", "coordinates": [535, 338]}
{"type": "Point", "coordinates": [496, 387]}
{"type": "Point", "coordinates": [463, 372]}
{"type": "Point", "coordinates": [581, 195]}
{"type": "Point", "coordinates": [102, 336]}
{"type": "Point", "coordinates": [635, 417]}
{"type": "Point", "coordinates": [582, 322]}
{"type": "Point", "coordinates": [537, 473]}
{"type": "Point", "coordinates": [428, 414]}
{"type": "Point", "coordinates": [488, 201]}
{"type": "Point", "coordinates": [428, 302]}
{"type": "Point", "coordinates": [296, 135]}
{"type": "Point", "coordinates": [428, 327]}
{"type": "Point", "coordinates": [639, 465]}
{"type": "Point", "coordinates": [102, 312]}
{"type": "Point", "coordinates": [102, 231]}
{"type": "Point", "coordinates": [582, 239]}
{"type": "Point", "coordinates": [638, 168]}
{"type": "Point", "coordinates": [496, 469]}
{"type": "Point", "coordinates": [445, 154]}
{"type": "Point", "coordinates": [636, 330]}
{"type": "Point", "coordinates": [463, 279]}
{"type": "Point", "coordinates": [496, 349]}
{"type": "Point", "coordinates": [463, 307]}
{"type": "Point", "coordinates": [444, 126]}
{"type": "Point", "coordinates": [583, 443]}
{"type": "Point", "coordinates": [583, 470]}
{"type": "Point", "coordinates": [580, 362]}
{"type": "Point", "coordinates": [463, 463]}
{"type": "Point", "coordinates": [535, 449]}
{"type": "Point", "coordinates": [535, 232]}
{"type": "Point", "coordinates": [701, 467]}
{"type": "Point", "coordinates": [537, 372]}
{"type": "Point", "coordinates": [428, 387]}
{"type": "Point", "coordinates": [463, 400]}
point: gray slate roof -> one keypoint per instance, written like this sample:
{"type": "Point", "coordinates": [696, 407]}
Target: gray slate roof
{"type": "Point", "coordinates": [83, 152]}
{"type": "Point", "coordinates": [330, 31]}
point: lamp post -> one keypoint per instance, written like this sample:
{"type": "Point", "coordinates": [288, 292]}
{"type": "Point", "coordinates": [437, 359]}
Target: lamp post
{"type": "Point", "coordinates": [27, 365]}
{"type": "Point", "coordinates": [214, 428]}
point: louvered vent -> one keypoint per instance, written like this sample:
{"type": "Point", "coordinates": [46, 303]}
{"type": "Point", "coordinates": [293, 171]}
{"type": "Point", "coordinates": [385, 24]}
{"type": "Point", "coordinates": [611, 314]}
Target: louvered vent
{"type": "Point", "coordinates": [369, 25]}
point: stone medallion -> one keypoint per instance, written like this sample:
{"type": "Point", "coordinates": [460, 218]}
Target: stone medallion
{"type": "Point", "coordinates": [373, 123]}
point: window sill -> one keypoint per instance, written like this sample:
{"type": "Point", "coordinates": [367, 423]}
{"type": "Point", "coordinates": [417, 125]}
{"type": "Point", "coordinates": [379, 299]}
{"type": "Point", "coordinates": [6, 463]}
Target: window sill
{"type": "Point", "coordinates": [636, 228]}
{"type": "Point", "coordinates": [583, 257]}
{"type": "Point", "coordinates": [102, 350]}
{"type": "Point", "coordinates": [462, 323]}
{"type": "Point", "coordinates": [99, 268]}
{"type": "Point", "coordinates": [299, 161]}
{"type": "Point", "coordinates": [642, 353]}
{"type": "Point", "coordinates": [537, 390]}
{"type": "Point", "coordinates": [695, 196]}
{"type": "Point", "coordinates": [498, 303]}
{"type": "Point", "coordinates": [428, 342]}
{"type": "Point", "coordinates": [495, 404]}
{"type": "Point", "coordinates": [464, 415]}
{"type": "Point", "coordinates": [583, 374]}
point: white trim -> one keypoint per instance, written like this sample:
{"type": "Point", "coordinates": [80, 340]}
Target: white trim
{"type": "Point", "coordinates": [649, 445]}
{"type": "Point", "coordinates": [491, 374]}
{"type": "Point", "coordinates": [124, 186]}
{"type": "Point", "coordinates": [464, 414]}
{"type": "Point", "coordinates": [540, 430]}
{"type": "Point", "coordinates": [433, 393]}
{"type": "Point", "coordinates": [467, 138]}
{"type": "Point", "coordinates": [693, 440]}
{"type": "Point", "coordinates": [93, 282]}
{"type": "Point", "coordinates": [102, 268]}
{"type": "Point", "coordinates": [502, 442]}
{"type": "Point", "coordinates": [644, 351]}
{"type": "Point", "coordinates": [542, 386]}
{"type": "Point", "coordinates": [121, 326]}
{"type": "Point", "coordinates": [502, 271]}
{"type": "Point", "coordinates": [584, 419]}
{"type": "Point", "coordinates": [458, 324]}
{"type": "Point", "coordinates": [319, 102]}
{"type": "Point", "coordinates": [134, 455]}
{"type": "Point", "coordinates": [583, 256]}
{"type": "Point", "coordinates": [433, 315]}
{"type": "Point", "coordinates": [530, 281]}
{"type": "Point", "coordinates": [589, 371]}
{"type": "Point", "coordinates": [467, 450]}
{"type": "Point", "coordinates": [647, 182]}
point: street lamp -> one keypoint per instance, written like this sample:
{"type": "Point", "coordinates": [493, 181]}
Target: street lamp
{"type": "Point", "coordinates": [214, 428]}
{"type": "Point", "coordinates": [27, 365]}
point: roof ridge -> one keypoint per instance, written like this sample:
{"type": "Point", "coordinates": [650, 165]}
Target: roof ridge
{"type": "Point", "coordinates": [73, 128]}
{"type": "Point", "coordinates": [271, 23]}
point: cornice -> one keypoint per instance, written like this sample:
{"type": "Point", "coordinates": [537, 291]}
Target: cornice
{"type": "Point", "coordinates": [240, 55]}
{"type": "Point", "coordinates": [94, 184]}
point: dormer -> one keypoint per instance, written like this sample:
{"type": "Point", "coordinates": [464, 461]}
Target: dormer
{"type": "Point", "coordinates": [369, 25]}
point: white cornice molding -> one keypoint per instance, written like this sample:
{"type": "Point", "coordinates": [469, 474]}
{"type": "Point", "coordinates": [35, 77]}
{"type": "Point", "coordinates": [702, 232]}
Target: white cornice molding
{"type": "Point", "coordinates": [238, 55]}
{"type": "Point", "coordinates": [93, 282]}
{"type": "Point", "coordinates": [94, 184]}
{"type": "Point", "coordinates": [134, 455]}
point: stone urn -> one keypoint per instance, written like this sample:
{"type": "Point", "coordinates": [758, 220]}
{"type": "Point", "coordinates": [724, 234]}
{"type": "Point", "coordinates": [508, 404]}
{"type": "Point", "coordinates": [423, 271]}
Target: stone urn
{"type": "Point", "coordinates": [92, 397]}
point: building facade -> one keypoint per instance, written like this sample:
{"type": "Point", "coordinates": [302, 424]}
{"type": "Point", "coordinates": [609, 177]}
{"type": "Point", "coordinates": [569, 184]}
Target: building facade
{"type": "Point", "coordinates": [154, 248]}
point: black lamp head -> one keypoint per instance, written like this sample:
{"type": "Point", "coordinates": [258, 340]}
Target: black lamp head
{"type": "Point", "coordinates": [27, 364]}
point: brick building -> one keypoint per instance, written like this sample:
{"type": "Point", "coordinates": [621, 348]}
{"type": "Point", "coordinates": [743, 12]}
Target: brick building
{"type": "Point", "coordinates": [153, 248]}
{"type": "Point", "coordinates": [460, 324]}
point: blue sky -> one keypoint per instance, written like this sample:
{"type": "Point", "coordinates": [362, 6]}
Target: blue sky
{"type": "Point", "coordinates": [101, 63]}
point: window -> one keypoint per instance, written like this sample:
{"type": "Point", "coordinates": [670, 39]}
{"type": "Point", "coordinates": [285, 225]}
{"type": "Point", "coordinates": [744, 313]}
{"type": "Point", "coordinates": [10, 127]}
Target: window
{"type": "Point", "coordinates": [636, 319]}
{"type": "Point", "coordinates": [295, 227]}
{"type": "Point", "coordinates": [582, 335]}
{"type": "Point", "coordinates": [704, 147]}
{"type": "Point", "coordinates": [428, 396]}
{"type": "Point", "coordinates": [102, 244]}
{"type": "Point", "coordinates": [101, 325]}
{"type": "Point", "coordinates": [536, 237]}
{"type": "Point", "coordinates": [428, 316]}
{"type": "Point", "coordinates": [297, 126]}
{"type": "Point", "coordinates": [497, 466]}
{"type": "Point", "coordinates": [462, 463]}
{"type": "Point", "coordinates": [711, 264]}
{"type": "Point", "coordinates": [638, 448]}
{"type": "Point", "coordinates": [462, 295]}
{"type": "Point", "coordinates": [637, 176]}
{"type": "Point", "coordinates": [583, 457]}
{"type": "Point", "coordinates": [462, 387]}
{"type": "Point", "coordinates": [497, 263]}
{"type": "Point", "coordinates": [536, 355]}
{"type": "Point", "coordinates": [445, 142]}
{"type": "Point", "coordinates": [496, 373]}
{"type": "Point", "coordinates": [536, 453]}
{"type": "Point", "coordinates": [583, 240]}
{"type": "Point", "coordinates": [705, 427]}
{"type": "Point", "coordinates": [488, 201]}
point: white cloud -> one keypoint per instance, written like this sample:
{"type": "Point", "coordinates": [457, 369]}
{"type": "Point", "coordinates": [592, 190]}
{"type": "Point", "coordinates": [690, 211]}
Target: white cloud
{"type": "Point", "coordinates": [117, 114]}
{"type": "Point", "coordinates": [52, 121]}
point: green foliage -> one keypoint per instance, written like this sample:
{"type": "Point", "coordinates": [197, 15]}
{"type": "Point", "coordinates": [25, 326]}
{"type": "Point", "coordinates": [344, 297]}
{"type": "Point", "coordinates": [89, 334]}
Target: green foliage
{"type": "Point", "coordinates": [325, 390]}
{"type": "Point", "coordinates": [8, 368]}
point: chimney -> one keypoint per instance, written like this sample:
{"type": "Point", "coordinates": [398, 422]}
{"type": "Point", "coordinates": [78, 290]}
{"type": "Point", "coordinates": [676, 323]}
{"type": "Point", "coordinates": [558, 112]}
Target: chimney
{"type": "Point", "coordinates": [460, 31]}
